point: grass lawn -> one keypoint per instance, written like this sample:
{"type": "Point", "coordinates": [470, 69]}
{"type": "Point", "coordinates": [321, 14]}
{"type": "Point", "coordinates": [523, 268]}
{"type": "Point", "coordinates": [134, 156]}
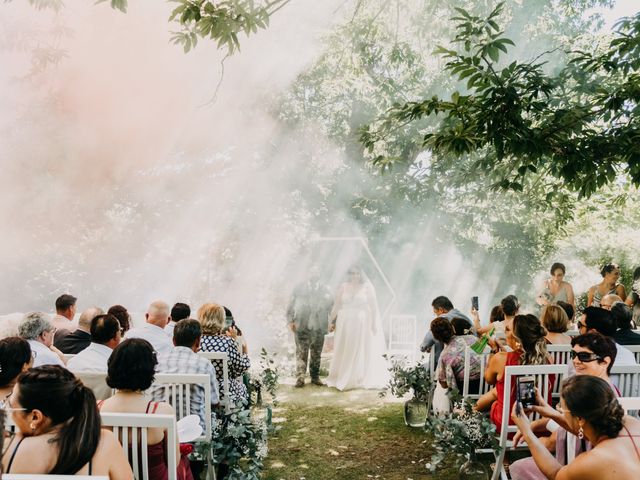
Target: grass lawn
{"type": "Point", "coordinates": [326, 434]}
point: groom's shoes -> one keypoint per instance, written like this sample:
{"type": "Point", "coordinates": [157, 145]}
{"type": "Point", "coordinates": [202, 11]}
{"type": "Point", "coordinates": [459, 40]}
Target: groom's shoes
{"type": "Point", "coordinates": [317, 381]}
{"type": "Point", "coordinates": [300, 383]}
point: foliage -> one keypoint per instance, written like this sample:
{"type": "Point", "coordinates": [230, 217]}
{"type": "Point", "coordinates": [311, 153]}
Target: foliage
{"type": "Point", "coordinates": [579, 126]}
{"type": "Point", "coordinates": [460, 433]}
{"type": "Point", "coordinates": [240, 442]}
{"type": "Point", "coordinates": [266, 379]}
{"type": "Point", "coordinates": [221, 20]}
{"type": "Point", "coordinates": [408, 379]}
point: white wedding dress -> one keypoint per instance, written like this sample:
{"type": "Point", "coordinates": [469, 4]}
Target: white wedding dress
{"type": "Point", "coordinates": [358, 343]}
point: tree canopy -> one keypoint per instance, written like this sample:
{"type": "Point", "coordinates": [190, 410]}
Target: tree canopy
{"type": "Point", "coordinates": [579, 126]}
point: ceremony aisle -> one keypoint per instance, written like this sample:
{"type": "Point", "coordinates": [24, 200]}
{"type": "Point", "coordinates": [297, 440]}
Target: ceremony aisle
{"type": "Point", "coordinates": [326, 434]}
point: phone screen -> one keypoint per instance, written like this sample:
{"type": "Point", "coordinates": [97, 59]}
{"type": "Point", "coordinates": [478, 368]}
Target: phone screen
{"type": "Point", "coordinates": [228, 322]}
{"type": "Point", "coordinates": [474, 303]}
{"type": "Point", "coordinates": [526, 391]}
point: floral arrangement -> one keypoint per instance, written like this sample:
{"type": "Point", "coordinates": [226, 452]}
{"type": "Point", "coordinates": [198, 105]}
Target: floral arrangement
{"type": "Point", "coordinates": [240, 442]}
{"type": "Point", "coordinates": [460, 433]}
{"type": "Point", "coordinates": [406, 379]}
{"type": "Point", "coordinates": [266, 379]}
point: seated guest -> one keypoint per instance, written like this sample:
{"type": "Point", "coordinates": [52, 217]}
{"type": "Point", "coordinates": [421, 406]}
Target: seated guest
{"type": "Point", "coordinates": [555, 288]}
{"type": "Point", "coordinates": [36, 329]}
{"type": "Point", "coordinates": [592, 354]}
{"type": "Point", "coordinates": [105, 336]}
{"type": "Point", "coordinates": [633, 300]}
{"type": "Point", "coordinates": [131, 371]}
{"type": "Point", "coordinates": [622, 316]}
{"type": "Point", "coordinates": [450, 369]}
{"type": "Point", "coordinates": [591, 411]}
{"type": "Point", "coordinates": [555, 320]}
{"type": "Point", "coordinates": [77, 341]}
{"type": "Point", "coordinates": [496, 319]}
{"type": "Point", "coordinates": [609, 285]}
{"type": "Point", "coordinates": [59, 429]}
{"type": "Point", "coordinates": [212, 318]}
{"type": "Point", "coordinates": [15, 358]}
{"type": "Point", "coordinates": [153, 331]}
{"type": "Point", "coordinates": [568, 309]}
{"type": "Point", "coordinates": [65, 312]}
{"type": "Point", "coordinates": [184, 359]}
{"type": "Point", "coordinates": [123, 317]}
{"type": "Point", "coordinates": [526, 337]}
{"type": "Point", "coordinates": [595, 319]}
{"type": "Point", "coordinates": [179, 311]}
{"type": "Point", "coordinates": [608, 301]}
{"type": "Point", "coordinates": [442, 307]}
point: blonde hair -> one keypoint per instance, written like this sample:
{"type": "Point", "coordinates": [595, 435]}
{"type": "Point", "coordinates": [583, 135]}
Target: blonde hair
{"type": "Point", "coordinates": [211, 316]}
{"type": "Point", "coordinates": [554, 319]}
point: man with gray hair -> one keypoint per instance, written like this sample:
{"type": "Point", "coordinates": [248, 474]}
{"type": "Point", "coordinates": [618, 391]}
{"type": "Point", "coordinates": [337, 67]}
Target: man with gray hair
{"type": "Point", "coordinates": [36, 329]}
{"type": "Point", "coordinates": [158, 315]}
{"type": "Point", "coordinates": [81, 338]}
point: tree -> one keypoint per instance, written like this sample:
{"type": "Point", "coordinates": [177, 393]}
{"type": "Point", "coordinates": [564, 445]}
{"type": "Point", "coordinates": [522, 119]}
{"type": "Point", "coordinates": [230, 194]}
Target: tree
{"type": "Point", "coordinates": [220, 20]}
{"type": "Point", "coordinates": [579, 126]}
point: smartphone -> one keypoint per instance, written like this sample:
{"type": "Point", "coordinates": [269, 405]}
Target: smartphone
{"type": "Point", "coordinates": [526, 391]}
{"type": "Point", "coordinates": [474, 303]}
{"type": "Point", "coordinates": [228, 322]}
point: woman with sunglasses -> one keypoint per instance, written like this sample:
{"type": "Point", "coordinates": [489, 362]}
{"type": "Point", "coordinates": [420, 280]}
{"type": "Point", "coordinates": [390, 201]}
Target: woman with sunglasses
{"type": "Point", "coordinates": [592, 354]}
{"type": "Point", "coordinates": [58, 428]}
{"type": "Point", "coordinates": [589, 409]}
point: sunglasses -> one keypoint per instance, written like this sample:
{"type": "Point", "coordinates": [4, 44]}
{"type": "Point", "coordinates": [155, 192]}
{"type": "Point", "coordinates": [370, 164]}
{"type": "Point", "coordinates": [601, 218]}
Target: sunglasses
{"type": "Point", "coordinates": [581, 325]}
{"type": "Point", "coordinates": [584, 357]}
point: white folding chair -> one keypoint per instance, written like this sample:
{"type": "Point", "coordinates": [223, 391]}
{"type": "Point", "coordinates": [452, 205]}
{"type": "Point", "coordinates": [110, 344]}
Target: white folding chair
{"type": "Point", "coordinates": [484, 386]}
{"type": "Point", "coordinates": [635, 349]}
{"type": "Point", "coordinates": [131, 429]}
{"type": "Point", "coordinates": [627, 379]}
{"type": "Point", "coordinates": [630, 404]}
{"type": "Point", "coordinates": [225, 396]}
{"type": "Point", "coordinates": [96, 381]}
{"type": "Point", "coordinates": [561, 356]}
{"type": "Point", "coordinates": [541, 374]}
{"type": "Point", "coordinates": [176, 389]}
{"type": "Point", "coordinates": [573, 333]}
{"type": "Point", "coordinates": [403, 337]}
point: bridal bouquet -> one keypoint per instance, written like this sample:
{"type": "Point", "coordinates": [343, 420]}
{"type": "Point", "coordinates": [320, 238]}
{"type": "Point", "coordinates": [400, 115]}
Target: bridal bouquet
{"type": "Point", "coordinates": [460, 433]}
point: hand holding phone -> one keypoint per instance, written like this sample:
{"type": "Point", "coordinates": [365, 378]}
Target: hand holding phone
{"type": "Point", "coordinates": [526, 391]}
{"type": "Point", "coordinates": [474, 303]}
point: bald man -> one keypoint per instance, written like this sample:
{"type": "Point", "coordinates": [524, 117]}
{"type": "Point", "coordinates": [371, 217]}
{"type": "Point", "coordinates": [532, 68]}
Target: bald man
{"type": "Point", "coordinates": [158, 315]}
{"type": "Point", "coordinates": [608, 301]}
{"type": "Point", "coordinates": [81, 338]}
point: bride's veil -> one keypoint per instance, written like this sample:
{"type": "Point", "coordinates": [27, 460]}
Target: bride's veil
{"type": "Point", "coordinates": [371, 291]}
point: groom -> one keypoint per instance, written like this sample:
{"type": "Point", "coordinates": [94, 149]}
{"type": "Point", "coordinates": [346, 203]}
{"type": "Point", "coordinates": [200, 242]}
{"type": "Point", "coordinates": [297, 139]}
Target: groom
{"type": "Point", "coordinates": [308, 316]}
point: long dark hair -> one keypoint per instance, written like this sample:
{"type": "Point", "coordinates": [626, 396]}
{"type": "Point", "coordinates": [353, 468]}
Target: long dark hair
{"type": "Point", "coordinates": [61, 397]}
{"type": "Point", "coordinates": [593, 399]}
{"type": "Point", "coordinates": [530, 333]}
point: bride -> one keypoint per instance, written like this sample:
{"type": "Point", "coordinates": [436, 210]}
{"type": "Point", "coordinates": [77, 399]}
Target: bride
{"type": "Point", "coordinates": [359, 341]}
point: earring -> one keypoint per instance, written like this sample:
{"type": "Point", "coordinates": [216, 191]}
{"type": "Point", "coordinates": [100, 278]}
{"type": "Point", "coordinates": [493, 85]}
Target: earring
{"type": "Point", "coordinates": [580, 433]}
{"type": "Point", "coordinates": [32, 427]}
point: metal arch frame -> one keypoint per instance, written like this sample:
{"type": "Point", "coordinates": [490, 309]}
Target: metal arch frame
{"type": "Point", "coordinates": [365, 247]}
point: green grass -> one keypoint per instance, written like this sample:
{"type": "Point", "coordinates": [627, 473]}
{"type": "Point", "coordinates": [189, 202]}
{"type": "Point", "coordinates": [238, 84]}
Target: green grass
{"type": "Point", "coordinates": [323, 442]}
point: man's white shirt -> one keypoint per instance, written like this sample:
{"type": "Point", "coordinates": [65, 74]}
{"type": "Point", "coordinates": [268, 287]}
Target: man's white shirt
{"type": "Point", "coordinates": [153, 334]}
{"type": "Point", "coordinates": [94, 358]}
{"type": "Point", "coordinates": [44, 355]}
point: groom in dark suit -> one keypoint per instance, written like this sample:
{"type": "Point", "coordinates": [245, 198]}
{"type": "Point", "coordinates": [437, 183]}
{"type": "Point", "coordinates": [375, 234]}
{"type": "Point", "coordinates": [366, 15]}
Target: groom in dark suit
{"type": "Point", "coordinates": [308, 318]}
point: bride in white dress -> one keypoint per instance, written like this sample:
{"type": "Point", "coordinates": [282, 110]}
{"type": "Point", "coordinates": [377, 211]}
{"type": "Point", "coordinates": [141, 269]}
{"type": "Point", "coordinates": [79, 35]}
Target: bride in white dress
{"type": "Point", "coordinates": [359, 341]}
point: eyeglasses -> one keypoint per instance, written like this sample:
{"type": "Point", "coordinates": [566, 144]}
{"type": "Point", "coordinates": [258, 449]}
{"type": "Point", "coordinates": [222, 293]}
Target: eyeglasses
{"type": "Point", "coordinates": [584, 357]}
{"type": "Point", "coordinates": [5, 404]}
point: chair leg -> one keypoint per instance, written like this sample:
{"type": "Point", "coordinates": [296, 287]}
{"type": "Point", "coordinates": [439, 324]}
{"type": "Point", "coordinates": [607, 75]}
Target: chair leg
{"type": "Point", "coordinates": [498, 471]}
{"type": "Point", "coordinates": [211, 471]}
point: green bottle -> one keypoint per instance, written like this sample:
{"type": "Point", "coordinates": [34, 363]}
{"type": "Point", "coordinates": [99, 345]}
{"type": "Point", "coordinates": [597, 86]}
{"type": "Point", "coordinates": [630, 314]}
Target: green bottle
{"type": "Point", "coordinates": [480, 345]}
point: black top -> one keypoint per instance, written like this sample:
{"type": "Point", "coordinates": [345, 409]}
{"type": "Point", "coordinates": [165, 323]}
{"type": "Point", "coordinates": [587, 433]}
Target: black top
{"type": "Point", "coordinates": [74, 342]}
{"type": "Point", "coordinates": [626, 337]}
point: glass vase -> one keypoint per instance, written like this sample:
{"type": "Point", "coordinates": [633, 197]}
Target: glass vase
{"type": "Point", "coordinates": [473, 469]}
{"type": "Point", "coordinates": [415, 413]}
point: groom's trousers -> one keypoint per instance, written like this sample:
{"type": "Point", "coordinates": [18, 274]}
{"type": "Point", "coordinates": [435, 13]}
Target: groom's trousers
{"type": "Point", "coordinates": [309, 345]}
